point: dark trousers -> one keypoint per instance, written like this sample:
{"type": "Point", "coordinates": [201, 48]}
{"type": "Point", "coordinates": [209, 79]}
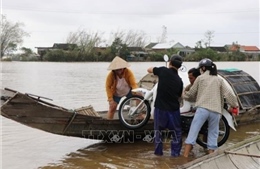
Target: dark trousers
{"type": "Point", "coordinates": [171, 121]}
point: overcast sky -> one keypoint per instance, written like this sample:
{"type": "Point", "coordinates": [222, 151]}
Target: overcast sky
{"type": "Point", "coordinates": [186, 21]}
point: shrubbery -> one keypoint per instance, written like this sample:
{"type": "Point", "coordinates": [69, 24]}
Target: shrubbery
{"type": "Point", "coordinates": [106, 55]}
{"type": "Point", "coordinates": [76, 56]}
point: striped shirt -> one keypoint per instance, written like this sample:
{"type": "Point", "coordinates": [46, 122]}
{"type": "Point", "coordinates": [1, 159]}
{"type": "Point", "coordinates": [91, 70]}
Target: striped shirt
{"type": "Point", "coordinates": [209, 92]}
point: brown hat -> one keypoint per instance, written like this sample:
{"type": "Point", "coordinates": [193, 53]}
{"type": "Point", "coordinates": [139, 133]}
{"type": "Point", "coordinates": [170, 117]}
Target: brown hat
{"type": "Point", "coordinates": [118, 63]}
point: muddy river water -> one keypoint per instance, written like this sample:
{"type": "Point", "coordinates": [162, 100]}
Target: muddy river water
{"type": "Point", "coordinates": [73, 85]}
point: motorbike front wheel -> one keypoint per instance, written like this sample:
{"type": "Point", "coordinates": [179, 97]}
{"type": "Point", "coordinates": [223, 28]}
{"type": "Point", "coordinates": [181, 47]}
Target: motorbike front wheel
{"type": "Point", "coordinates": [134, 112]}
{"type": "Point", "coordinates": [224, 130]}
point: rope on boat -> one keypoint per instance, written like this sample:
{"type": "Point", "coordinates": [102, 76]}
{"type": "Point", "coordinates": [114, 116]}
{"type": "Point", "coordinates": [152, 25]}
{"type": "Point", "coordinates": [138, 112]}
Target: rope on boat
{"type": "Point", "coordinates": [241, 154]}
{"type": "Point", "coordinates": [71, 120]}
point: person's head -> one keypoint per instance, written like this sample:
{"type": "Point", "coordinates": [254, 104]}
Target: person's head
{"type": "Point", "coordinates": [207, 64]}
{"type": "Point", "coordinates": [118, 65]}
{"type": "Point", "coordinates": [193, 73]}
{"type": "Point", "coordinates": [176, 61]}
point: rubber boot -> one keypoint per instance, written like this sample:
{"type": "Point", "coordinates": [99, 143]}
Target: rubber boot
{"type": "Point", "coordinates": [187, 149]}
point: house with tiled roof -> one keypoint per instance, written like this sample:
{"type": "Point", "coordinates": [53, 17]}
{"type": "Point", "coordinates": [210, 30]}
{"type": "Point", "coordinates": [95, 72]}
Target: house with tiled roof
{"type": "Point", "coordinates": [244, 48]}
{"type": "Point", "coordinates": [251, 51]}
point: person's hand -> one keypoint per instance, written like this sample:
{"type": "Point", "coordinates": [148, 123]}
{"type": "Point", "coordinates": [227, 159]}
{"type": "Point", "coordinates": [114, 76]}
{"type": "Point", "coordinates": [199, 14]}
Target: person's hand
{"type": "Point", "coordinates": [112, 103]}
{"type": "Point", "coordinates": [234, 110]}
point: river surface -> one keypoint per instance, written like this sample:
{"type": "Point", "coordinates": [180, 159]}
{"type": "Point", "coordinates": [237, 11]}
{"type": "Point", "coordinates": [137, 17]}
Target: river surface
{"type": "Point", "coordinates": [73, 85]}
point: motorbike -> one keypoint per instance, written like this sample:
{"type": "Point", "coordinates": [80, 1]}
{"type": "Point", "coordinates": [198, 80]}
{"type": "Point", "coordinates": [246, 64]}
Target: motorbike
{"type": "Point", "coordinates": [135, 111]}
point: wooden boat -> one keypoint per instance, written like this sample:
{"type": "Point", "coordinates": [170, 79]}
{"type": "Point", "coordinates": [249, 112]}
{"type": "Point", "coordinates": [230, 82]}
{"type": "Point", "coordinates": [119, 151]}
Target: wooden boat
{"type": "Point", "coordinates": [245, 154]}
{"type": "Point", "coordinates": [34, 111]}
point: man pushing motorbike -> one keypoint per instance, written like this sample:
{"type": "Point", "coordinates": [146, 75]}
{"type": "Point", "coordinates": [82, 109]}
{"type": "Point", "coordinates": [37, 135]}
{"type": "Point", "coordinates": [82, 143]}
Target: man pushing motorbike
{"type": "Point", "coordinates": [209, 92]}
{"type": "Point", "coordinates": [167, 106]}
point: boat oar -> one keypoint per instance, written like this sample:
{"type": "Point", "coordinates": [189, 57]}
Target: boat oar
{"type": "Point", "coordinates": [241, 154]}
{"type": "Point", "coordinates": [38, 97]}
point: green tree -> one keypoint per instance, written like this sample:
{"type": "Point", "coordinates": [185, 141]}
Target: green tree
{"type": "Point", "coordinates": [116, 46]}
{"type": "Point", "coordinates": [26, 51]}
{"type": "Point", "coordinates": [119, 48]}
{"type": "Point", "coordinates": [203, 53]}
{"type": "Point", "coordinates": [12, 35]}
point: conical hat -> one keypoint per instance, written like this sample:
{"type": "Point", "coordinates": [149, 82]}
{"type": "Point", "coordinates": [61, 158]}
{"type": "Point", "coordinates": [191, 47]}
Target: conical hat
{"type": "Point", "coordinates": [118, 63]}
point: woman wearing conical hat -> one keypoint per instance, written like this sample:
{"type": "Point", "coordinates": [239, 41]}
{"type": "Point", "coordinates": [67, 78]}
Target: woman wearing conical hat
{"type": "Point", "coordinates": [120, 80]}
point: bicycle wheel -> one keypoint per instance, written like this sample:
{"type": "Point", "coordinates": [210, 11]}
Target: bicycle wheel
{"type": "Point", "coordinates": [224, 130]}
{"type": "Point", "coordinates": [134, 112]}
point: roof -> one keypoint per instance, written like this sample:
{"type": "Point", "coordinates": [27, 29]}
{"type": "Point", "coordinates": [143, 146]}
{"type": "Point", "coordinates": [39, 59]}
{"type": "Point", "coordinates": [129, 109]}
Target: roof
{"type": "Point", "coordinates": [244, 48]}
{"type": "Point", "coordinates": [218, 48]}
{"type": "Point", "coordinates": [135, 48]}
{"type": "Point", "coordinates": [234, 47]}
{"type": "Point", "coordinates": [168, 45]}
{"type": "Point", "coordinates": [249, 48]}
{"type": "Point", "coordinates": [42, 48]}
{"type": "Point", "coordinates": [150, 45]}
{"type": "Point", "coordinates": [64, 46]}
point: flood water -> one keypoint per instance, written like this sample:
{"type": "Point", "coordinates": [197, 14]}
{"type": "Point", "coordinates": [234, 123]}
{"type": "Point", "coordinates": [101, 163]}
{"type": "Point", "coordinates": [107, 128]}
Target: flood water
{"type": "Point", "coordinates": [73, 85]}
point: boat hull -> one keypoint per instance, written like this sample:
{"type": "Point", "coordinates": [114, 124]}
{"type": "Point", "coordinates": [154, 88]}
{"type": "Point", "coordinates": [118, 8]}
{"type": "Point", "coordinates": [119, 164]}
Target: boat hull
{"type": "Point", "coordinates": [58, 120]}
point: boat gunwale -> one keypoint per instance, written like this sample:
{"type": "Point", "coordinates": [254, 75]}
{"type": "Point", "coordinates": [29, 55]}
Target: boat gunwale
{"type": "Point", "coordinates": [219, 153]}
